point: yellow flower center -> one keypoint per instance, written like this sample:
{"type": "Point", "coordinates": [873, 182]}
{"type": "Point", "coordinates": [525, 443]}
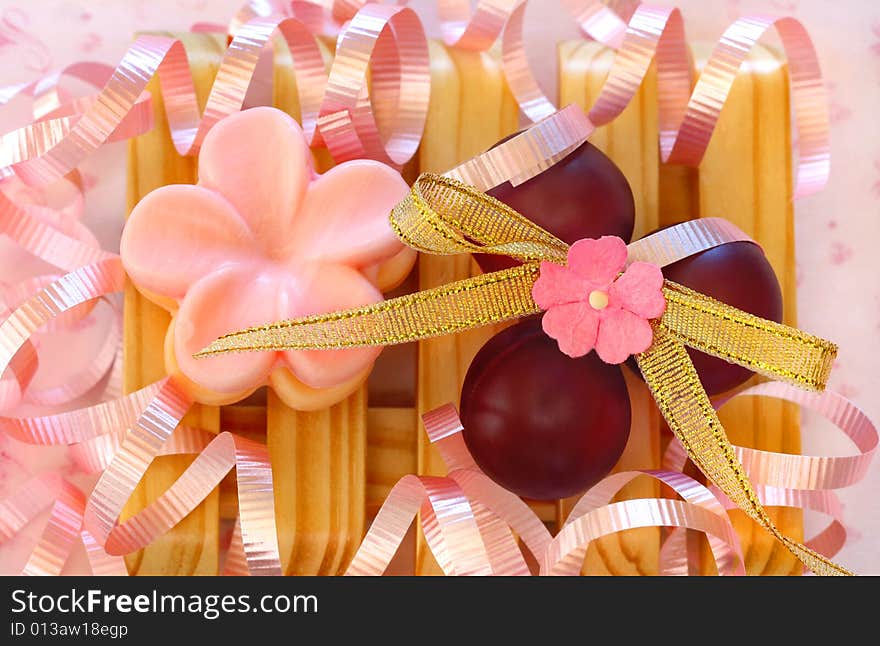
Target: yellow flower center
{"type": "Point", "coordinates": [598, 300]}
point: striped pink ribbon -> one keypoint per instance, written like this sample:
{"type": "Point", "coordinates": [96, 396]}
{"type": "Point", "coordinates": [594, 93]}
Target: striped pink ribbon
{"type": "Point", "coordinates": [124, 435]}
{"type": "Point", "coordinates": [803, 481]}
{"type": "Point", "coordinates": [468, 519]}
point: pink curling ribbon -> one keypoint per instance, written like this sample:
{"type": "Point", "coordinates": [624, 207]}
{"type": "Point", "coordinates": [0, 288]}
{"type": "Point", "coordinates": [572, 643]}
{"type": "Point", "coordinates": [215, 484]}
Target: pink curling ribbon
{"type": "Point", "coordinates": [151, 425]}
{"type": "Point", "coordinates": [387, 123]}
{"type": "Point", "coordinates": [527, 154]}
{"type": "Point", "coordinates": [153, 55]}
{"type": "Point", "coordinates": [468, 519]}
{"type": "Point", "coordinates": [804, 481]}
{"type": "Point", "coordinates": [314, 14]}
{"type": "Point", "coordinates": [687, 118]}
{"type": "Point", "coordinates": [388, 128]}
{"type": "Point", "coordinates": [63, 528]}
{"type": "Point", "coordinates": [56, 236]}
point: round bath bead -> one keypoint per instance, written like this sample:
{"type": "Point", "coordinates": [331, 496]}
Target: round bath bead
{"type": "Point", "coordinates": [736, 273]}
{"type": "Point", "coordinates": [583, 196]}
{"type": "Point", "coordinates": [539, 423]}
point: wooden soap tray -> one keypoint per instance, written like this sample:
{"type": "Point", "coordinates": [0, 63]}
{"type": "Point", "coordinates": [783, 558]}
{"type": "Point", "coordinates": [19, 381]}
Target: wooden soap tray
{"type": "Point", "coordinates": [333, 468]}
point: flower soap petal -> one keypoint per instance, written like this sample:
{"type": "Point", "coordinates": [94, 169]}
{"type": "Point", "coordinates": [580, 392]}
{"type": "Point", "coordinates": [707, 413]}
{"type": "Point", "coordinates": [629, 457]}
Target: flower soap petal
{"type": "Point", "coordinates": [177, 234]}
{"type": "Point", "coordinates": [558, 285]}
{"type": "Point", "coordinates": [316, 289]}
{"type": "Point", "coordinates": [621, 334]}
{"type": "Point", "coordinates": [259, 160]}
{"type": "Point", "coordinates": [345, 215]}
{"type": "Point", "coordinates": [574, 326]}
{"type": "Point", "coordinates": [598, 261]}
{"type": "Point", "coordinates": [639, 290]}
{"type": "Point", "coordinates": [225, 301]}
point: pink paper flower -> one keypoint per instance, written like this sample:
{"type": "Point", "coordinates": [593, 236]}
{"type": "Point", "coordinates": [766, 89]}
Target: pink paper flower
{"type": "Point", "coordinates": [589, 306]}
{"type": "Point", "coordinates": [263, 237]}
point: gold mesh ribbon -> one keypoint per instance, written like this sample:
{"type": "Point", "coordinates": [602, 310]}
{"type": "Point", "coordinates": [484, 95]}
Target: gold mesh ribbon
{"type": "Point", "coordinates": [444, 216]}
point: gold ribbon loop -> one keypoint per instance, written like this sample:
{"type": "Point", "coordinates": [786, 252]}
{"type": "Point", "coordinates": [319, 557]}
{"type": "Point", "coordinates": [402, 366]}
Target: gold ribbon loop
{"type": "Point", "coordinates": [443, 216]}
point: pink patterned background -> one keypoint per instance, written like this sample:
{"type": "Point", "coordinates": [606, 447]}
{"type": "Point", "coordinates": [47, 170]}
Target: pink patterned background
{"type": "Point", "coordinates": [837, 230]}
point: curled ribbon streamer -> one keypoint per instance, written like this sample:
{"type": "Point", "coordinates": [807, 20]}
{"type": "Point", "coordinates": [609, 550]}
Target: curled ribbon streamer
{"type": "Point", "coordinates": [62, 529]}
{"type": "Point", "coordinates": [465, 532]}
{"type": "Point", "coordinates": [442, 215]}
{"type": "Point", "coordinates": [452, 535]}
{"type": "Point", "coordinates": [41, 136]}
{"type": "Point", "coordinates": [11, 296]}
{"type": "Point", "coordinates": [75, 288]}
{"type": "Point", "coordinates": [152, 55]}
{"type": "Point", "coordinates": [152, 423]}
{"type": "Point", "coordinates": [82, 424]}
{"type": "Point", "coordinates": [225, 452]}
{"type": "Point", "coordinates": [44, 232]}
{"type": "Point", "coordinates": [350, 122]}
{"type": "Point", "coordinates": [95, 455]}
{"type": "Point", "coordinates": [76, 383]}
{"type": "Point", "coordinates": [391, 42]}
{"type": "Point", "coordinates": [475, 30]}
{"type": "Point", "coordinates": [813, 472]}
{"type": "Point", "coordinates": [55, 113]}
{"type": "Point", "coordinates": [687, 118]}
{"type": "Point", "coordinates": [43, 240]}
{"type": "Point", "coordinates": [805, 481]}
{"type": "Point", "coordinates": [314, 14]}
{"type": "Point", "coordinates": [595, 516]}
{"type": "Point", "coordinates": [591, 518]}
{"type": "Point", "coordinates": [88, 375]}
{"type": "Point", "coordinates": [522, 157]}
{"type": "Point", "coordinates": [146, 439]}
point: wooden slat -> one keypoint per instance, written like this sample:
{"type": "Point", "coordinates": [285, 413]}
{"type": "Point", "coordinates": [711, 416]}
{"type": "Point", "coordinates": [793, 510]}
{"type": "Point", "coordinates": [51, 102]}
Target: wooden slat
{"type": "Point", "coordinates": [329, 444]}
{"type": "Point", "coordinates": [746, 178]}
{"type": "Point", "coordinates": [470, 110]}
{"type": "Point", "coordinates": [334, 465]}
{"type": "Point", "coordinates": [318, 458]}
{"type": "Point", "coordinates": [631, 142]}
{"type": "Point", "coordinates": [391, 451]}
{"type": "Point", "coordinates": [190, 547]}
{"type": "Point", "coordinates": [318, 464]}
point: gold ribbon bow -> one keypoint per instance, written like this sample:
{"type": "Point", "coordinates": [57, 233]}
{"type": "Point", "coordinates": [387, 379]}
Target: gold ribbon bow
{"type": "Point", "coordinates": [443, 216]}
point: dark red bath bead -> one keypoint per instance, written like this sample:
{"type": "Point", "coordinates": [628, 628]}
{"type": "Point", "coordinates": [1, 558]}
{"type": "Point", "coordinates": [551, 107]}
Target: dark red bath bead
{"type": "Point", "coordinates": [538, 422]}
{"type": "Point", "coordinates": [739, 274]}
{"type": "Point", "coordinates": [582, 196]}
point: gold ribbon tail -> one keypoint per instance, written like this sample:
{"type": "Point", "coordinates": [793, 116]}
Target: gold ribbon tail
{"type": "Point", "coordinates": [674, 383]}
{"type": "Point", "coordinates": [458, 306]}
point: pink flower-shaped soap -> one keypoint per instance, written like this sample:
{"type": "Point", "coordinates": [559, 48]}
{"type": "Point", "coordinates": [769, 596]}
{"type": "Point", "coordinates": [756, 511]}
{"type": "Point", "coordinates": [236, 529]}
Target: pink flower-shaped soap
{"type": "Point", "coordinates": [262, 237]}
{"type": "Point", "coordinates": [590, 305]}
